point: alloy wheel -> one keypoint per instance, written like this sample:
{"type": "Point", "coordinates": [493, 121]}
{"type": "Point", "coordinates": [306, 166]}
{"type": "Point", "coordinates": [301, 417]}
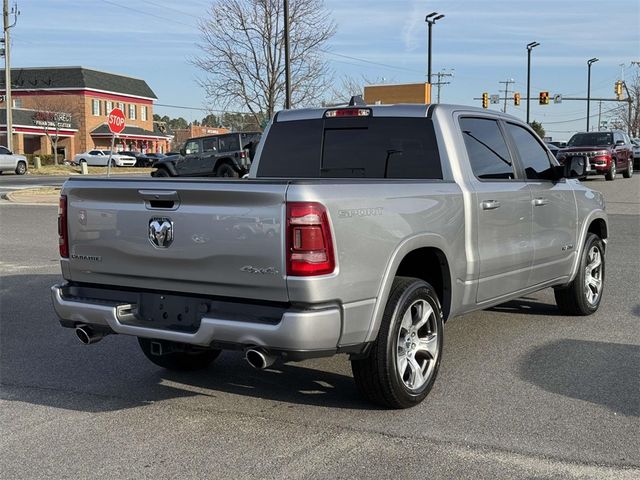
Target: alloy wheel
{"type": "Point", "coordinates": [593, 275]}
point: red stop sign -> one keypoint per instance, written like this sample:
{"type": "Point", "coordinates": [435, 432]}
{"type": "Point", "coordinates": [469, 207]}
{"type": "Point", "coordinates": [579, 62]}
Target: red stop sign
{"type": "Point", "coordinates": [116, 120]}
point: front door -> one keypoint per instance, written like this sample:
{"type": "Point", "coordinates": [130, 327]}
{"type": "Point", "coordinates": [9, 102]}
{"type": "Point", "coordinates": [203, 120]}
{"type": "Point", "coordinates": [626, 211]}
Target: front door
{"type": "Point", "coordinates": [188, 164]}
{"type": "Point", "coordinates": [6, 162]}
{"type": "Point", "coordinates": [501, 209]}
{"type": "Point", "coordinates": [554, 226]}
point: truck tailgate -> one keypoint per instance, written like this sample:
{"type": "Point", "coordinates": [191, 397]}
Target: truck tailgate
{"type": "Point", "coordinates": [210, 237]}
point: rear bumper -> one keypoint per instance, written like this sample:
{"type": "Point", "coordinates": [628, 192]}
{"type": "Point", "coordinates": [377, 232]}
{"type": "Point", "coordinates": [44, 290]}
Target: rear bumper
{"type": "Point", "coordinates": [296, 331]}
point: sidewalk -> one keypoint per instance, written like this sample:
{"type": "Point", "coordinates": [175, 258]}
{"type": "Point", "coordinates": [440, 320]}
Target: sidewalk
{"type": "Point", "coordinates": [40, 195]}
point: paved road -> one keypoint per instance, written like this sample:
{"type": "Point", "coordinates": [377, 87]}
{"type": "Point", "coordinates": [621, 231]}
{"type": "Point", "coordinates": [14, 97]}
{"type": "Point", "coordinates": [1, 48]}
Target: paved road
{"type": "Point", "coordinates": [523, 392]}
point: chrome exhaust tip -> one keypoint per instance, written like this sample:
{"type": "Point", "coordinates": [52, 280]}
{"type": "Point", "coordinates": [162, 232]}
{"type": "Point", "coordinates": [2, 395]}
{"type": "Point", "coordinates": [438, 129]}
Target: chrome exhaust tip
{"type": "Point", "coordinates": [259, 358]}
{"type": "Point", "coordinates": [87, 335]}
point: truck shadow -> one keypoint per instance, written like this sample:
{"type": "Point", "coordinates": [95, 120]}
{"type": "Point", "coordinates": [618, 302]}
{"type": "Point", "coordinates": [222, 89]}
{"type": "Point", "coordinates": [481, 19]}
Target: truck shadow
{"type": "Point", "coordinates": [44, 364]}
{"type": "Point", "coordinates": [602, 373]}
{"type": "Point", "coordinates": [527, 306]}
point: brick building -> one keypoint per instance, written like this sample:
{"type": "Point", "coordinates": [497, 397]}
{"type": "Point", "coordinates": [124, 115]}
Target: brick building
{"type": "Point", "coordinates": [183, 134]}
{"type": "Point", "coordinates": [75, 101]}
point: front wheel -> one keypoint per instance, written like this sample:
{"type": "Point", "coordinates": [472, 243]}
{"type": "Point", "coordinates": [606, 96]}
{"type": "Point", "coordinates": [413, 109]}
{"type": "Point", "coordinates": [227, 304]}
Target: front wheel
{"type": "Point", "coordinates": [161, 172]}
{"type": "Point", "coordinates": [584, 293]}
{"type": "Point", "coordinates": [611, 174]}
{"type": "Point", "coordinates": [113, 162]}
{"type": "Point", "coordinates": [404, 359]}
{"type": "Point", "coordinates": [628, 173]}
{"type": "Point", "coordinates": [177, 356]}
{"type": "Point", "coordinates": [21, 169]}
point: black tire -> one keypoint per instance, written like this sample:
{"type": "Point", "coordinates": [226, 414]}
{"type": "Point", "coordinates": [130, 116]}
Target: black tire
{"type": "Point", "coordinates": [628, 173]}
{"type": "Point", "coordinates": [611, 174]}
{"type": "Point", "coordinates": [113, 163]}
{"type": "Point", "coordinates": [161, 172]}
{"type": "Point", "coordinates": [573, 299]}
{"type": "Point", "coordinates": [21, 168]}
{"type": "Point", "coordinates": [181, 357]}
{"type": "Point", "coordinates": [226, 170]}
{"type": "Point", "coordinates": [378, 376]}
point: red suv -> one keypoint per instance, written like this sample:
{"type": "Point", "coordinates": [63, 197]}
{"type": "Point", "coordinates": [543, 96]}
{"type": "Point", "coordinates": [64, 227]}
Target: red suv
{"type": "Point", "coordinates": [608, 152]}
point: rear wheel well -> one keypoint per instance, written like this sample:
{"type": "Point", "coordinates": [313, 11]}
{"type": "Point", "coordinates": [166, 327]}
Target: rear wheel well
{"type": "Point", "coordinates": [430, 264]}
{"type": "Point", "coordinates": [599, 228]}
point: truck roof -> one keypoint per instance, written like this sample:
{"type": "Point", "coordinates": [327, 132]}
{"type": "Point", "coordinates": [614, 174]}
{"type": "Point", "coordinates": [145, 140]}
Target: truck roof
{"type": "Point", "coordinates": [395, 110]}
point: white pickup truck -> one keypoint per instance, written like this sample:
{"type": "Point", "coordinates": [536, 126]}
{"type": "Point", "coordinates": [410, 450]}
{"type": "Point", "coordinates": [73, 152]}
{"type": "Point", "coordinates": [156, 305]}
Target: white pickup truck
{"type": "Point", "coordinates": [360, 230]}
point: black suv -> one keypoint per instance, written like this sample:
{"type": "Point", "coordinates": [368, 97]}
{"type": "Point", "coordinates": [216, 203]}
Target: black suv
{"type": "Point", "coordinates": [226, 155]}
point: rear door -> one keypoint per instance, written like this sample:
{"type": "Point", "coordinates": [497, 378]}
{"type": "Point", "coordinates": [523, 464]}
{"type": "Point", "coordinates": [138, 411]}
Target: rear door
{"type": "Point", "coordinates": [502, 210]}
{"type": "Point", "coordinates": [554, 216]}
{"type": "Point", "coordinates": [209, 237]}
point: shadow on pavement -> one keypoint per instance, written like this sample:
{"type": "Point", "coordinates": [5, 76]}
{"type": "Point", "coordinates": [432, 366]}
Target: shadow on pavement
{"type": "Point", "coordinates": [44, 364]}
{"type": "Point", "coordinates": [527, 306]}
{"type": "Point", "coordinates": [597, 372]}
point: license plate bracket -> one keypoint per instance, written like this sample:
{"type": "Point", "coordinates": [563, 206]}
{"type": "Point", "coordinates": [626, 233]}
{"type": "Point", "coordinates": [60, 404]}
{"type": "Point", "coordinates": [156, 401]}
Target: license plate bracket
{"type": "Point", "coordinates": [168, 312]}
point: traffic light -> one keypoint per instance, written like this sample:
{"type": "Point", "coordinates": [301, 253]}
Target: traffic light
{"type": "Point", "coordinates": [618, 89]}
{"type": "Point", "coordinates": [516, 99]}
{"type": "Point", "coordinates": [544, 98]}
{"type": "Point", "coordinates": [485, 100]}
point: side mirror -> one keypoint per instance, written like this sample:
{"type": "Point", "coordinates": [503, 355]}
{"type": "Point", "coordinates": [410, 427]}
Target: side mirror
{"type": "Point", "coordinates": [183, 151]}
{"type": "Point", "coordinates": [575, 167]}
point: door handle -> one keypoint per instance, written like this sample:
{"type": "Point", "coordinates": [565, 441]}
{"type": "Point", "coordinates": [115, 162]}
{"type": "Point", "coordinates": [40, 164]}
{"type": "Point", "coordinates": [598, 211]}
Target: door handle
{"type": "Point", "coordinates": [490, 204]}
{"type": "Point", "coordinates": [538, 202]}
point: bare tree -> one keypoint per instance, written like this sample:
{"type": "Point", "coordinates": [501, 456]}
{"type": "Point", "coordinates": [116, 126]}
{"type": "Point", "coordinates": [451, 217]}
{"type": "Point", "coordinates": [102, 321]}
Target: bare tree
{"type": "Point", "coordinates": [349, 86]}
{"type": "Point", "coordinates": [620, 116]}
{"type": "Point", "coordinates": [54, 114]}
{"type": "Point", "coordinates": [243, 54]}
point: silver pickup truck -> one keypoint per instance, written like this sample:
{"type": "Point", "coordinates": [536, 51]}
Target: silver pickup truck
{"type": "Point", "coordinates": [360, 230]}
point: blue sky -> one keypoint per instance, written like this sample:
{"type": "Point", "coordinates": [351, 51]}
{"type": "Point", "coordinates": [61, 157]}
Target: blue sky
{"type": "Point", "coordinates": [481, 42]}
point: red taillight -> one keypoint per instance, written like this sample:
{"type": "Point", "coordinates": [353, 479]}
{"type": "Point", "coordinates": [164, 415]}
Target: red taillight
{"type": "Point", "coordinates": [63, 238]}
{"type": "Point", "coordinates": [309, 245]}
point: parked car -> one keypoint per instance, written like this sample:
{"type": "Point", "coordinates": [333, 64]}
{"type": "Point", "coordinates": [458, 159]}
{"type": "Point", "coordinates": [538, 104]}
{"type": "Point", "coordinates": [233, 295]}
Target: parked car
{"type": "Point", "coordinates": [360, 231]}
{"type": "Point", "coordinates": [100, 158]}
{"type": "Point", "coordinates": [148, 159]}
{"type": "Point", "coordinates": [226, 155]}
{"type": "Point", "coordinates": [608, 152]}
{"type": "Point", "coordinates": [10, 162]}
{"type": "Point", "coordinates": [636, 153]}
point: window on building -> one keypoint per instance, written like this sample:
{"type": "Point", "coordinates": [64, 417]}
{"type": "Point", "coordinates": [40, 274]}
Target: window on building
{"type": "Point", "coordinates": [132, 111]}
{"type": "Point", "coordinates": [17, 102]}
{"type": "Point", "coordinates": [95, 107]}
{"type": "Point", "coordinates": [121, 106]}
{"type": "Point", "coordinates": [109, 107]}
{"type": "Point", "coordinates": [143, 113]}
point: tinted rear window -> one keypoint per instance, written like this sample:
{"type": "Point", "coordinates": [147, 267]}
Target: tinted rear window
{"type": "Point", "coordinates": [351, 148]}
{"type": "Point", "coordinates": [590, 139]}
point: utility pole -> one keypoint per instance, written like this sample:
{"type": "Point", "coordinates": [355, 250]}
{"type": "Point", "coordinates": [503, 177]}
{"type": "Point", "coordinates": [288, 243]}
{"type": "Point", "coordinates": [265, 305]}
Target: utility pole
{"type": "Point", "coordinates": [599, 115]}
{"type": "Point", "coordinates": [530, 46]}
{"type": "Point", "coordinates": [507, 82]}
{"type": "Point", "coordinates": [7, 67]}
{"type": "Point", "coordinates": [439, 83]}
{"type": "Point", "coordinates": [287, 66]}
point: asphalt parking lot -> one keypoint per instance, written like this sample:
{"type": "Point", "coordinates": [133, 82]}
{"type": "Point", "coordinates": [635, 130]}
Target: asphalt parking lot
{"type": "Point", "coordinates": [523, 391]}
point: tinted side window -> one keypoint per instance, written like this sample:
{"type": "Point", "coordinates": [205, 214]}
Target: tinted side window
{"type": "Point", "coordinates": [209, 144]}
{"type": "Point", "coordinates": [4, 151]}
{"type": "Point", "coordinates": [487, 149]}
{"type": "Point", "coordinates": [533, 156]}
{"type": "Point", "coordinates": [229, 144]}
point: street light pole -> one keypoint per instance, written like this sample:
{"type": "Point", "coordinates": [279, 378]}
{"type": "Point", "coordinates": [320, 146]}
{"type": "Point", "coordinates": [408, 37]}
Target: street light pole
{"type": "Point", "coordinates": [589, 63]}
{"type": "Point", "coordinates": [287, 66]}
{"type": "Point", "coordinates": [431, 20]}
{"type": "Point", "coordinates": [530, 46]}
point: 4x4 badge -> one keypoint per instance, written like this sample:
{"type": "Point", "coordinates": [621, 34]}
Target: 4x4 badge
{"type": "Point", "coordinates": [160, 232]}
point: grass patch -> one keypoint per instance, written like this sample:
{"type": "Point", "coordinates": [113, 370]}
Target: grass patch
{"type": "Point", "coordinates": [75, 170]}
